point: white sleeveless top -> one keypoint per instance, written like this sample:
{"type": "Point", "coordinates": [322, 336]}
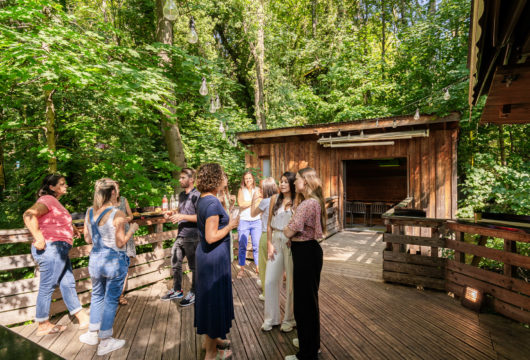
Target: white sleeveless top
{"type": "Point", "coordinates": [245, 214]}
{"type": "Point", "coordinates": [108, 232]}
{"type": "Point", "coordinates": [281, 219]}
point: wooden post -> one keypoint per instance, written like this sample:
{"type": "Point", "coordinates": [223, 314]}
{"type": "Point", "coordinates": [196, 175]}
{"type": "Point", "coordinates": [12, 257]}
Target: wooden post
{"type": "Point", "coordinates": [509, 246]}
{"type": "Point", "coordinates": [481, 242]}
{"type": "Point", "coordinates": [435, 236]}
{"type": "Point", "coordinates": [459, 256]}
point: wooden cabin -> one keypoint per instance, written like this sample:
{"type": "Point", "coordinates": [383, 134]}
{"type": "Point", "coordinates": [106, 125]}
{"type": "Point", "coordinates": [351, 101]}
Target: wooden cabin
{"type": "Point", "coordinates": [499, 60]}
{"type": "Point", "coordinates": [377, 160]}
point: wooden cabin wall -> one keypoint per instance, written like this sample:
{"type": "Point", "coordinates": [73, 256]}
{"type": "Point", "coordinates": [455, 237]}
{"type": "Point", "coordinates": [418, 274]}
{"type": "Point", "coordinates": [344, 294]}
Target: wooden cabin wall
{"type": "Point", "coordinates": [431, 166]}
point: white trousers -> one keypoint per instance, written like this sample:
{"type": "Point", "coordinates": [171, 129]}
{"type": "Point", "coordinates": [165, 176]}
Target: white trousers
{"type": "Point", "coordinates": [283, 261]}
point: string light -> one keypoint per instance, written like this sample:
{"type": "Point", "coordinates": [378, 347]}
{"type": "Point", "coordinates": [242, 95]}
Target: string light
{"type": "Point", "coordinates": [204, 87]}
{"type": "Point", "coordinates": [339, 133]}
{"type": "Point", "coordinates": [170, 10]}
{"type": "Point", "coordinates": [377, 123]}
{"type": "Point", "coordinates": [361, 134]}
{"type": "Point", "coordinates": [217, 102]}
{"type": "Point", "coordinates": [447, 96]}
{"type": "Point", "coordinates": [394, 124]}
{"type": "Point", "coordinates": [221, 128]}
{"type": "Point", "coordinates": [212, 108]}
{"type": "Point", "coordinates": [417, 114]}
{"type": "Point", "coordinates": [192, 36]}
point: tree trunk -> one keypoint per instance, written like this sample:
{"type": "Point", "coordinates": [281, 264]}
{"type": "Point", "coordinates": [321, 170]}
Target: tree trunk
{"type": "Point", "coordinates": [383, 38]}
{"type": "Point", "coordinates": [260, 68]}
{"type": "Point", "coordinates": [314, 4]}
{"type": "Point", "coordinates": [502, 147]}
{"type": "Point", "coordinates": [50, 130]}
{"type": "Point", "coordinates": [170, 131]}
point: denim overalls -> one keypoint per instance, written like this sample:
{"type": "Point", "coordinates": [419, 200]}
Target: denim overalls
{"type": "Point", "coordinates": [108, 268]}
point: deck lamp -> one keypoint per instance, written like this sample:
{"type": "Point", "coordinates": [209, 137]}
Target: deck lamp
{"type": "Point", "coordinates": [192, 36]}
{"type": "Point", "coordinates": [472, 298]}
{"type": "Point", "coordinates": [170, 10]}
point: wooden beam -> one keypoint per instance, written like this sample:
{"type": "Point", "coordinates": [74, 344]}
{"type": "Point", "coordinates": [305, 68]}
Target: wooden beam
{"type": "Point", "coordinates": [252, 136]}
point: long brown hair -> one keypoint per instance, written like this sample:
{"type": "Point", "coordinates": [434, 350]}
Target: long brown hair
{"type": "Point", "coordinates": [315, 184]}
{"type": "Point", "coordinates": [290, 176]}
{"type": "Point", "coordinates": [243, 179]}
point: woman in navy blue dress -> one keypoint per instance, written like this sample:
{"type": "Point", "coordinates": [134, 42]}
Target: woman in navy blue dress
{"type": "Point", "coordinates": [214, 305]}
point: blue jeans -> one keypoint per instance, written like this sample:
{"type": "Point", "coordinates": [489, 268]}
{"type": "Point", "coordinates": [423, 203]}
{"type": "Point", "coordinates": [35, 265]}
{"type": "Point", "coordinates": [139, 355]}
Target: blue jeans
{"type": "Point", "coordinates": [108, 269]}
{"type": "Point", "coordinates": [55, 269]}
{"type": "Point", "coordinates": [246, 228]}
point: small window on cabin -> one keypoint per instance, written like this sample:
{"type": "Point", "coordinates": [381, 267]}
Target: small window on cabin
{"type": "Point", "coordinates": [266, 167]}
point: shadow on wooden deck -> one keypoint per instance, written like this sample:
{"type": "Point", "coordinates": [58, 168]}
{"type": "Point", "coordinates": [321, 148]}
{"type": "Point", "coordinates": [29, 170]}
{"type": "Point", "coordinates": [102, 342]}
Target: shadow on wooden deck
{"type": "Point", "coordinates": [360, 318]}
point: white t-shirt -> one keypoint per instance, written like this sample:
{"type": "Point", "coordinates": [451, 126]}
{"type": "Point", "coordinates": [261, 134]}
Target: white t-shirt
{"type": "Point", "coordinates": [245, 214]}
{"type": "Point", "coordinates": [264, 206]}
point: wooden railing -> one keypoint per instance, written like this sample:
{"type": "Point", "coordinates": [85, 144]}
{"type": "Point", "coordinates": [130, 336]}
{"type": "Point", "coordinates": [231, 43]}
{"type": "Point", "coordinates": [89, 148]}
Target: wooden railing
{"type": "Point", "coordinates": [332, 211]}
{"type": "Point", "coordinates": [18, 298]}
{"type": "Point", "coordinates": [419, 260]}
{"type": "Point", "coordinates": [507, 294]}
{"type": "Point", "coordinates": [412, 259]}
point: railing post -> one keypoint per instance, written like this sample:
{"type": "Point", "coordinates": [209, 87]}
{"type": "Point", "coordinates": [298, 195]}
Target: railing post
{"type": "Point", "coordinates": [459, 256]}
{"type": "Point", "coordinates": [511, 247]}
{"type": "Point", "coordinates": [435, 235]}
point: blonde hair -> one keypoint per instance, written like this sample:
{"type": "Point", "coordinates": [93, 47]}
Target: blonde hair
{"type": "Point", "coordinates": [103, 192]}
{"type": "Point", "coordinates": [315, 185]}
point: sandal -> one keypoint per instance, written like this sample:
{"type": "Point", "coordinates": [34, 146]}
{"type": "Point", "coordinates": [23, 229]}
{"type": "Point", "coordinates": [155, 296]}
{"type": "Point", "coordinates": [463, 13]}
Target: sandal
{"type": "Point", "coordinates": [56, 329]}
{"type": "Point", "coordinates": [227, 354]}
{"type": "Point", "coordinates": [123, 300]}
{"type": "Point", "coordinates": [225, 346]}
{"type": "Point", "coordinates": [240, 274]}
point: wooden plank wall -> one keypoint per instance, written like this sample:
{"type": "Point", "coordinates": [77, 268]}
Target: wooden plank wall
{"type": "Point", "coordinates": [431, 167]}
{"type": "Point", "coordinates": [18, 298]}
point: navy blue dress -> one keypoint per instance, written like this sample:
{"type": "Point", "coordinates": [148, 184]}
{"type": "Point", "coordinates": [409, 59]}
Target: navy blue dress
{"type": "Point", "coordinates": [214, 304]}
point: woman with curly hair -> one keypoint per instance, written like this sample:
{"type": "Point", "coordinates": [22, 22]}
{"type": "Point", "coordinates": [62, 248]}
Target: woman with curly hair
{"type": "Point", "coordinates": [214, 305]}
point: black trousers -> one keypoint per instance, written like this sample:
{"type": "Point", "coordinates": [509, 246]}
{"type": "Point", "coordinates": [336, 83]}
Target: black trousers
{"type": "Point", "coordinates": [307, 265]}
{"type": "Point", "coordinates": [183, 247]}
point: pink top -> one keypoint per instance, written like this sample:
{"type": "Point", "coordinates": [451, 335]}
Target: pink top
{"type": "Point", "coordinates": [306, 221]}
{"type": "Point", "coordinates": [56, 225]}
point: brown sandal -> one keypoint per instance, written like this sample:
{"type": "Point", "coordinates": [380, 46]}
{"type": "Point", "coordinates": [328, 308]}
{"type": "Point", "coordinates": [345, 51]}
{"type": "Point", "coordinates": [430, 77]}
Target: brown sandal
{"type": "Point", "coordinates": [123, 300]}
{"type": "Point", "coordinates": [56, 329]}
{"type": "Point", "coordinates": [240, 274]}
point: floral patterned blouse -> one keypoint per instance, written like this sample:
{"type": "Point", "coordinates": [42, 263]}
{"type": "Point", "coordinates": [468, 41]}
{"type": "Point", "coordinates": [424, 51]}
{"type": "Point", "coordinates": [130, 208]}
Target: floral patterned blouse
{"type": "Point", "coordinates": [306, 221]}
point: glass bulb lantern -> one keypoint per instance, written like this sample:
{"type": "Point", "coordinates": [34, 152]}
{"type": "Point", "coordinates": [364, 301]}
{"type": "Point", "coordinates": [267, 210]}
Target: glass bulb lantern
{"type": "Point", "coordinates": [170, 10]}
{"type": "Point", "coordinates": [212, 107]}
{"type": "Point", "coordinates": [417, 114]}
{"type": "Point", "coordinates": [204, 87]}
{"type": "Point", "coordinates": [221, 128]}
{"type": "Point", "coordinates": [217, 102]}
{"type": "Point", "coordinates": [447, 96]}
{"type": "Point", "coordinates": [192, 36]}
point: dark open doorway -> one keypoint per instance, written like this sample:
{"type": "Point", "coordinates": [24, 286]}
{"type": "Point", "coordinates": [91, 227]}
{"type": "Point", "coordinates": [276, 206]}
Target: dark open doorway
{"type": "Point", "coordinates": [371, 187]}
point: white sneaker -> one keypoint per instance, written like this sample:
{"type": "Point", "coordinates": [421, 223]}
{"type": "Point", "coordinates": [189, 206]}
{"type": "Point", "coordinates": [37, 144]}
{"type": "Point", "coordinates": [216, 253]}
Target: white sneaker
{"type": "Point", "coordinates": [89, 338]}
{"type": "Point", "coordinates": [266, 327]}
{"type": "Point", "coordinates": [258, 282]}
{"type": "Point", "coordinates": [261, 297]}
{"type": "Point", "coordinates": [296, 343]}
{"type": "Point", "coordinates": [291, 357]}
{"type": "Point", "coordinates": [109, 345]}
{"type": "Point", "coordinates": [286, 327]}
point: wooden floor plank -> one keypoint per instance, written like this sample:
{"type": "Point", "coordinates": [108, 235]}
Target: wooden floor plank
{"type": "Point", "coordinates": [141, 338]}
{"type": "Point", "coordinates": [157, 338]}
{"type": "Point", "coordinates": [172, 339]}
{"type": "Point", "coordinates": [133, 321]}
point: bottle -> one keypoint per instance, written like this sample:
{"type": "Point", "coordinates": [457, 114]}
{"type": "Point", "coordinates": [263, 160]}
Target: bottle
{"type": "Point", "coordinates": [164, 203]}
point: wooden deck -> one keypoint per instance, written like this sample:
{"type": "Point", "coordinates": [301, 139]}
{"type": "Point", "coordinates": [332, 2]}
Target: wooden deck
{"type": "Point", "coordinates": [360, 318]}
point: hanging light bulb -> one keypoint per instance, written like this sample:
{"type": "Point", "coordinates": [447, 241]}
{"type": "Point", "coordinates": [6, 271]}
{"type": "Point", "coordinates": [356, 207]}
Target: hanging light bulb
{"type": "Point", "coordinates": [377, 123]}
{"type": "Point", "coordinates": [447, 96]}
{"type": "Point", "coordinates": [394, 124]}
{"type": "Point", "coordinates": [417, 114]}
{"type": "Point", "coordinates": [339, 133]}
{"type": "Point", "coordinates": [221, 128]}
{"type": "Point", "coordinates": [217, 102]}
{"type": "Point", "coordinates": [170, 10]}
{"type": "Point", "coordinates": [212, 107]}
{"type": "Point", "coordinates": [361, 134]}
{"type": "Point", "coordinates": [192, 36]}
{"type": "Point", "coordinates": [204, 87]}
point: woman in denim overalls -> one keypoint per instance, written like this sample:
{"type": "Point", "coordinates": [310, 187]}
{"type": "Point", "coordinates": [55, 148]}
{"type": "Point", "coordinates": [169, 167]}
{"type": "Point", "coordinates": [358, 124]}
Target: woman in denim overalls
{"type": "Point", "coordinates": [108, 265]}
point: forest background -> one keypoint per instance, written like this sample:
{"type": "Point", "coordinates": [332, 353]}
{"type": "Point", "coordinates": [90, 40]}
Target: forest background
{"type": "Point", "coordinates": [110, 88]}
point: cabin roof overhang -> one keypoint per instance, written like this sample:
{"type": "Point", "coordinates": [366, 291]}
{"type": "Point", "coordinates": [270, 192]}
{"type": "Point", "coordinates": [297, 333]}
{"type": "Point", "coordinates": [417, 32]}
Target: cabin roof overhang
{"type": "Point", "coordinates": [386, 124]}
{"type": "Point", "coordinates": [499, 60]}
